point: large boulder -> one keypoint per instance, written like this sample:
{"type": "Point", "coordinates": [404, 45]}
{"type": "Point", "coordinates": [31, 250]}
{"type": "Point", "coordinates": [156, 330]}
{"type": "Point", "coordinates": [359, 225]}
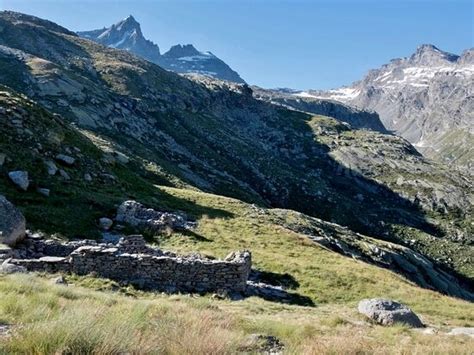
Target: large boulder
{"type": "Point", "coordinates": [388, 312]}
{"type": "Point", "coordinates": [12, 223]}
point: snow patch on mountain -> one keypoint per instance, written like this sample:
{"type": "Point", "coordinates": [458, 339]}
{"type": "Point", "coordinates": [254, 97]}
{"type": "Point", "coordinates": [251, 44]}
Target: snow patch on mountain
{"type": "Point", "coordinates": [422, 97]}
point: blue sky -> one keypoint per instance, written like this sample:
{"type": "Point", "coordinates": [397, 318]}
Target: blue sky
{"type": "Point", "coordinates": [281, 43]}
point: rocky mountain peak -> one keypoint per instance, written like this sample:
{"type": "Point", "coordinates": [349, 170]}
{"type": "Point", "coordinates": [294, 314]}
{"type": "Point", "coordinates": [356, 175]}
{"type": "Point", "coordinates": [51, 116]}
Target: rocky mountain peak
{"type": "Point", "coordinates": [429, 55]}
{"type": "Point", "coordinates": [179, 51]}
{"type": "Point", "coordinates": [126, 34]}
{"type": "Point", "coordinates": [425, 98]}
{"type": "Point", "coordinates": [123, 31]}
{"type": "Point", "coordinates": [128, 23]}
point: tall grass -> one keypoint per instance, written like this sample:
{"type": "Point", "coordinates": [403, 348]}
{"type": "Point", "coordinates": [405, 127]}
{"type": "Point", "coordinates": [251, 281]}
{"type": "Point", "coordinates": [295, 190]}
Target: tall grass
{"type": "Point", "coordinates": [59, 320]}
{"type": "Point", "coordinates": [54, 319]}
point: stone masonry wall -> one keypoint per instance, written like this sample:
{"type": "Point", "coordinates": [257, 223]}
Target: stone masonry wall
{"type": "Point", "coordinates": [133, 262]}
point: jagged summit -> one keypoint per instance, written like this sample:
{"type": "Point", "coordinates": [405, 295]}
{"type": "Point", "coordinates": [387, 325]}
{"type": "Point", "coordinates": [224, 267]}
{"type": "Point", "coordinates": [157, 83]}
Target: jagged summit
{"type": "Point", "coordinates": [428, 54]}
{"type": "Point", "coordinates": [187, 50]}
{"type": "Point", "coordinates": [127, 23]}
{"type": "Point", "coordinates": [127, 34]}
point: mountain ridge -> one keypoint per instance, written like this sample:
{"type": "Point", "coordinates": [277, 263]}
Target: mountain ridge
{"type": "Point", "coordinates": [422, 97]}
{"type": "Point", "coordinates": [186, 59]}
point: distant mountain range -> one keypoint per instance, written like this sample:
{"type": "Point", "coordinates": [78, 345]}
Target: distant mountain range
{"type": "Point", "coordinates": [127, 35]}
{"type": "Point", "coordinates": [427, 98]}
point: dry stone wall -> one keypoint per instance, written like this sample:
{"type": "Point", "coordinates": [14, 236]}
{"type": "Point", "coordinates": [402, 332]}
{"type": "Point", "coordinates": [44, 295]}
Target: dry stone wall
{"type": "Point", "coordinates": [132, 261]}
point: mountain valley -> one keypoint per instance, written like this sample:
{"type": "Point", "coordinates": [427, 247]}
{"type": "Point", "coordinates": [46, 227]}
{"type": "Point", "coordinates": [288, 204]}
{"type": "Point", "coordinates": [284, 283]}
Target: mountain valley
{"type": "Point", "coordinates": [336, 198]}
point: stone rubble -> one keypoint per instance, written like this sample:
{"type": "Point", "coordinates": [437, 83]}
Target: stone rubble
{"type": "Point", "coordinates": [137, 215]}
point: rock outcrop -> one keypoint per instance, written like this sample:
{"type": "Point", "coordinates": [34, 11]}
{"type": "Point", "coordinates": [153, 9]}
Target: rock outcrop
{"type": "Point", "coordinates": [388, 312]}
{"type": "Point", "coordinates": [12, 223]}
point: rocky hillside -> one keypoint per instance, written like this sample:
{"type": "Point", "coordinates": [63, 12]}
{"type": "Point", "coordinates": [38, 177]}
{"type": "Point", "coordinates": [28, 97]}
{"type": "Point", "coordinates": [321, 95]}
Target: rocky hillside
{"type": "Point", "coordinates": [145, 126]}
{"type": "Point", "coordinates": [356, 118]}
{"type": "Point", "coordinates": [426, 98]}
{"type": "Point", "coordinates": [127, 35]}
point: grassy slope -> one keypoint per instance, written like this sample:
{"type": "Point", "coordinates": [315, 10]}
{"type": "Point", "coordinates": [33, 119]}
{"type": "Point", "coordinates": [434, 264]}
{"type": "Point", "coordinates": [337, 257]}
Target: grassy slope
{"type": "Point", "coordinates": [48, 319]}
{"type": "Point", "coordinates": [53, 318]}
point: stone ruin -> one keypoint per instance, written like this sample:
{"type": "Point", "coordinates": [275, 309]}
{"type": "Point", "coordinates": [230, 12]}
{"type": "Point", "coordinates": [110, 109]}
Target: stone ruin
{"type": "Point", "coordinates": [132, 261]}
{"type": "Point", "coordinates": [146, 219]}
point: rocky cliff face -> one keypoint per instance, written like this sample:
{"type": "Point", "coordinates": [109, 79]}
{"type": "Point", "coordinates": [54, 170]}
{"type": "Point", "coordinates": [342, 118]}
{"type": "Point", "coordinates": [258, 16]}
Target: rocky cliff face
{"type": "Point", "coordinates": [426, 98]}
{"type": "Point", "coordinates": [201, 133]}
{"type": "Point", "coordinates": [127, 35]}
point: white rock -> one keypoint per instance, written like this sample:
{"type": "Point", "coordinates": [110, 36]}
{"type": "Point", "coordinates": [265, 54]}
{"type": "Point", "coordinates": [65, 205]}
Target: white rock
{"type": "Point", "coordinates": [20, 179]}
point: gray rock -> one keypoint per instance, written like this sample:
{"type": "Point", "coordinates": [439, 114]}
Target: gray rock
{"type": "Point", "coordinates": [65, 159]}
{"type": "Point", "coordinates": [43, 191]}
{"type": "Point", "coordinates": [388, 312]}
{"type": "Point", "coordinates": [105, 223]}
{"type": "Point", "coordinates": [51, 167]}
{"type": "Point", "coordinates": [20, 179]}
{"type": "Point", "coordinates": [3, 157]}
{"type": "Point", "coordinates": [262, 344]}
{"type": "Point", "coordinates": [121, 158]}
{"type": "Point", "coordinates": [60, 281]}
{"type": "Point", "coordinates": [468, 331]}
{"type": "Point", "coordinates": [87, 177]}
{"type": "Point", "coordinates": [64, 175]}
{"type": "Point", "coordinates": [7, 268]}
